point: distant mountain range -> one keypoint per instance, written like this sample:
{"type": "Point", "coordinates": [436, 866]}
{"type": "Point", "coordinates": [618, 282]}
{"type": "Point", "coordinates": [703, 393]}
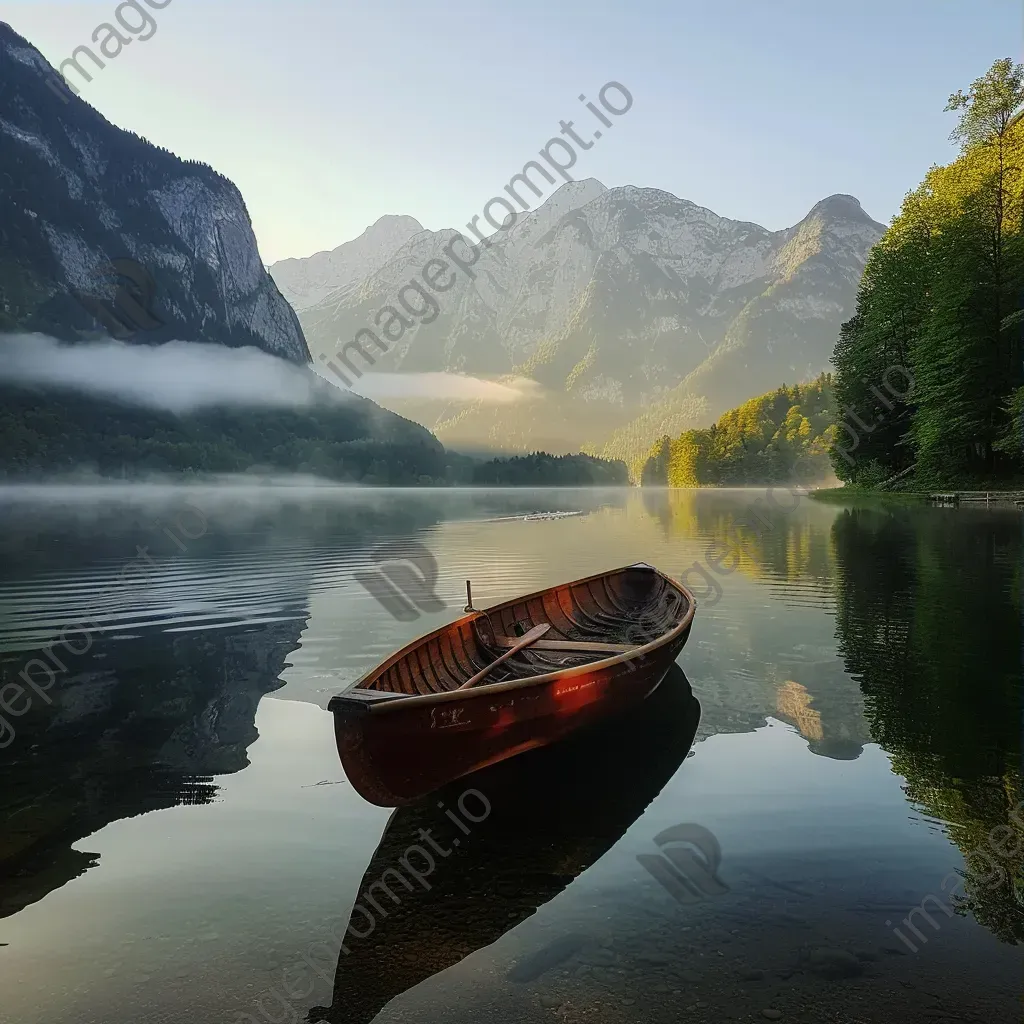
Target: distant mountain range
{"type": "Point", "coordinates": [638, 313]}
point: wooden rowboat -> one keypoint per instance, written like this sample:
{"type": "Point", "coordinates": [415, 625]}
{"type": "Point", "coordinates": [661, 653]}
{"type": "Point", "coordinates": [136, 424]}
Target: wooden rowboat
{"type": "Point", "coordinates": [506, 679]}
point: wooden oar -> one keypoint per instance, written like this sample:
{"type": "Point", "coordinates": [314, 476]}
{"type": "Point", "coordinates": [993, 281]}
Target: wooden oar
{"type": "Point", "coordinates": [528, 638]}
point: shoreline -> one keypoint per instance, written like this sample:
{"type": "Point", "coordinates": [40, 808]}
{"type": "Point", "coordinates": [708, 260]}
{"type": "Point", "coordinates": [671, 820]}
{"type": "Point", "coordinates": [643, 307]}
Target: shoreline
{"type": "Point", "coordinates": [1003, 499]}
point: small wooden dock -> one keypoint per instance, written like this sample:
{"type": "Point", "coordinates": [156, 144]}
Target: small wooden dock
{"type": "Point", "coordinates": [985, 498]}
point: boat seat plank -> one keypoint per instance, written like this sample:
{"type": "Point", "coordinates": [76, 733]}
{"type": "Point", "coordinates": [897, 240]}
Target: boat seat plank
{"type": "Point", "coordinates": [584, 647]}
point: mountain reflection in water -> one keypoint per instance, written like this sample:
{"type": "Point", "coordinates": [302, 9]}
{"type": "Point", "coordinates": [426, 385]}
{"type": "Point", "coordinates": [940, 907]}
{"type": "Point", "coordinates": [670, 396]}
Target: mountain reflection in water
{"type": "Point", "coordinates": [142, 728]}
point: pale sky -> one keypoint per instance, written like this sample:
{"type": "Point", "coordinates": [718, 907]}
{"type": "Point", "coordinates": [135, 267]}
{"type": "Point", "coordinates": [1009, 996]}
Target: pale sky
{"type": "Point", "coordinates": [329, 115]}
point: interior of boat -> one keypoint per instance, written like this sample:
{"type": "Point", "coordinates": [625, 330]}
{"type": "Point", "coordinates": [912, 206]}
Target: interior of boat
{"type": "Point", "coordinates": [586, 622]}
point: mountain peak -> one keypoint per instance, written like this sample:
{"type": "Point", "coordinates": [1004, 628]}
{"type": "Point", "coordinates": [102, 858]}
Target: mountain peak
{"type": "Point", "coordinates": [585, 186]}
{"type": "Point", "coordinates": [568, 197]}
{"type": "Point", "coordinates": [838, 207]}
{"type": "Point", "coordinates": [304, 282]}
{"type": "Point", "coordinates": [394, 222]}
{"type": "Point", "coordinates": [574, 194]}
{"type": "Point", "coordinates": [383, 230]}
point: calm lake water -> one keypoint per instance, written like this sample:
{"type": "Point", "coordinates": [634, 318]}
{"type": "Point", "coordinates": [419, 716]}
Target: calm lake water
{"type": "Point", "coordinates": [842, 745]}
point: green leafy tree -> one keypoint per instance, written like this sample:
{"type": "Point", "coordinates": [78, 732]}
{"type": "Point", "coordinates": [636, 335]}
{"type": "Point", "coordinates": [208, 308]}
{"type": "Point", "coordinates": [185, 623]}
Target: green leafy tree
{"type": "Point", "coordinates": [941, 299]}
{"type": "Point", "coordinates": [778, 437]}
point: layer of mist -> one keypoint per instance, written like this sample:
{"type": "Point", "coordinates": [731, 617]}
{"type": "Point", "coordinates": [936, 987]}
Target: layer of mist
{"type": "Point", "coordinates": [179, 376]}
{"type": "Point", "coordinates": [448, 387]}
{"type": "Point", "coordinates": [184, 376]}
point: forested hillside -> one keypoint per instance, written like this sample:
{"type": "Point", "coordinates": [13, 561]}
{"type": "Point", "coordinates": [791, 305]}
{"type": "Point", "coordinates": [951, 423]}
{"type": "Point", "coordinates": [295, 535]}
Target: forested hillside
{"type": "Point", "coordinates": [45, 432]}
{"type": "Point", "coordinates": [929, 369]}
{"type": "Point", "coordinates": [779, 437]}
{"type": "Point", "coordinates": [543, 470]}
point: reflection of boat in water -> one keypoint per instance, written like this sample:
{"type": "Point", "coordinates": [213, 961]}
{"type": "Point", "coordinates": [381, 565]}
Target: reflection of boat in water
{"type": "Point", "coordinates": [541, 820]}
{"type": "Point", "coordinates": [503, 680]}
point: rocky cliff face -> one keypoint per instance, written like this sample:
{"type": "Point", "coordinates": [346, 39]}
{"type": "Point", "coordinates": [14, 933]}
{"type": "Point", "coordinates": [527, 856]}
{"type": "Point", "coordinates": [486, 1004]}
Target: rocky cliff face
{"type": "Point", "coordinates": [76, 193]}
{"type": "Point", "coordinates": [622, 303]}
